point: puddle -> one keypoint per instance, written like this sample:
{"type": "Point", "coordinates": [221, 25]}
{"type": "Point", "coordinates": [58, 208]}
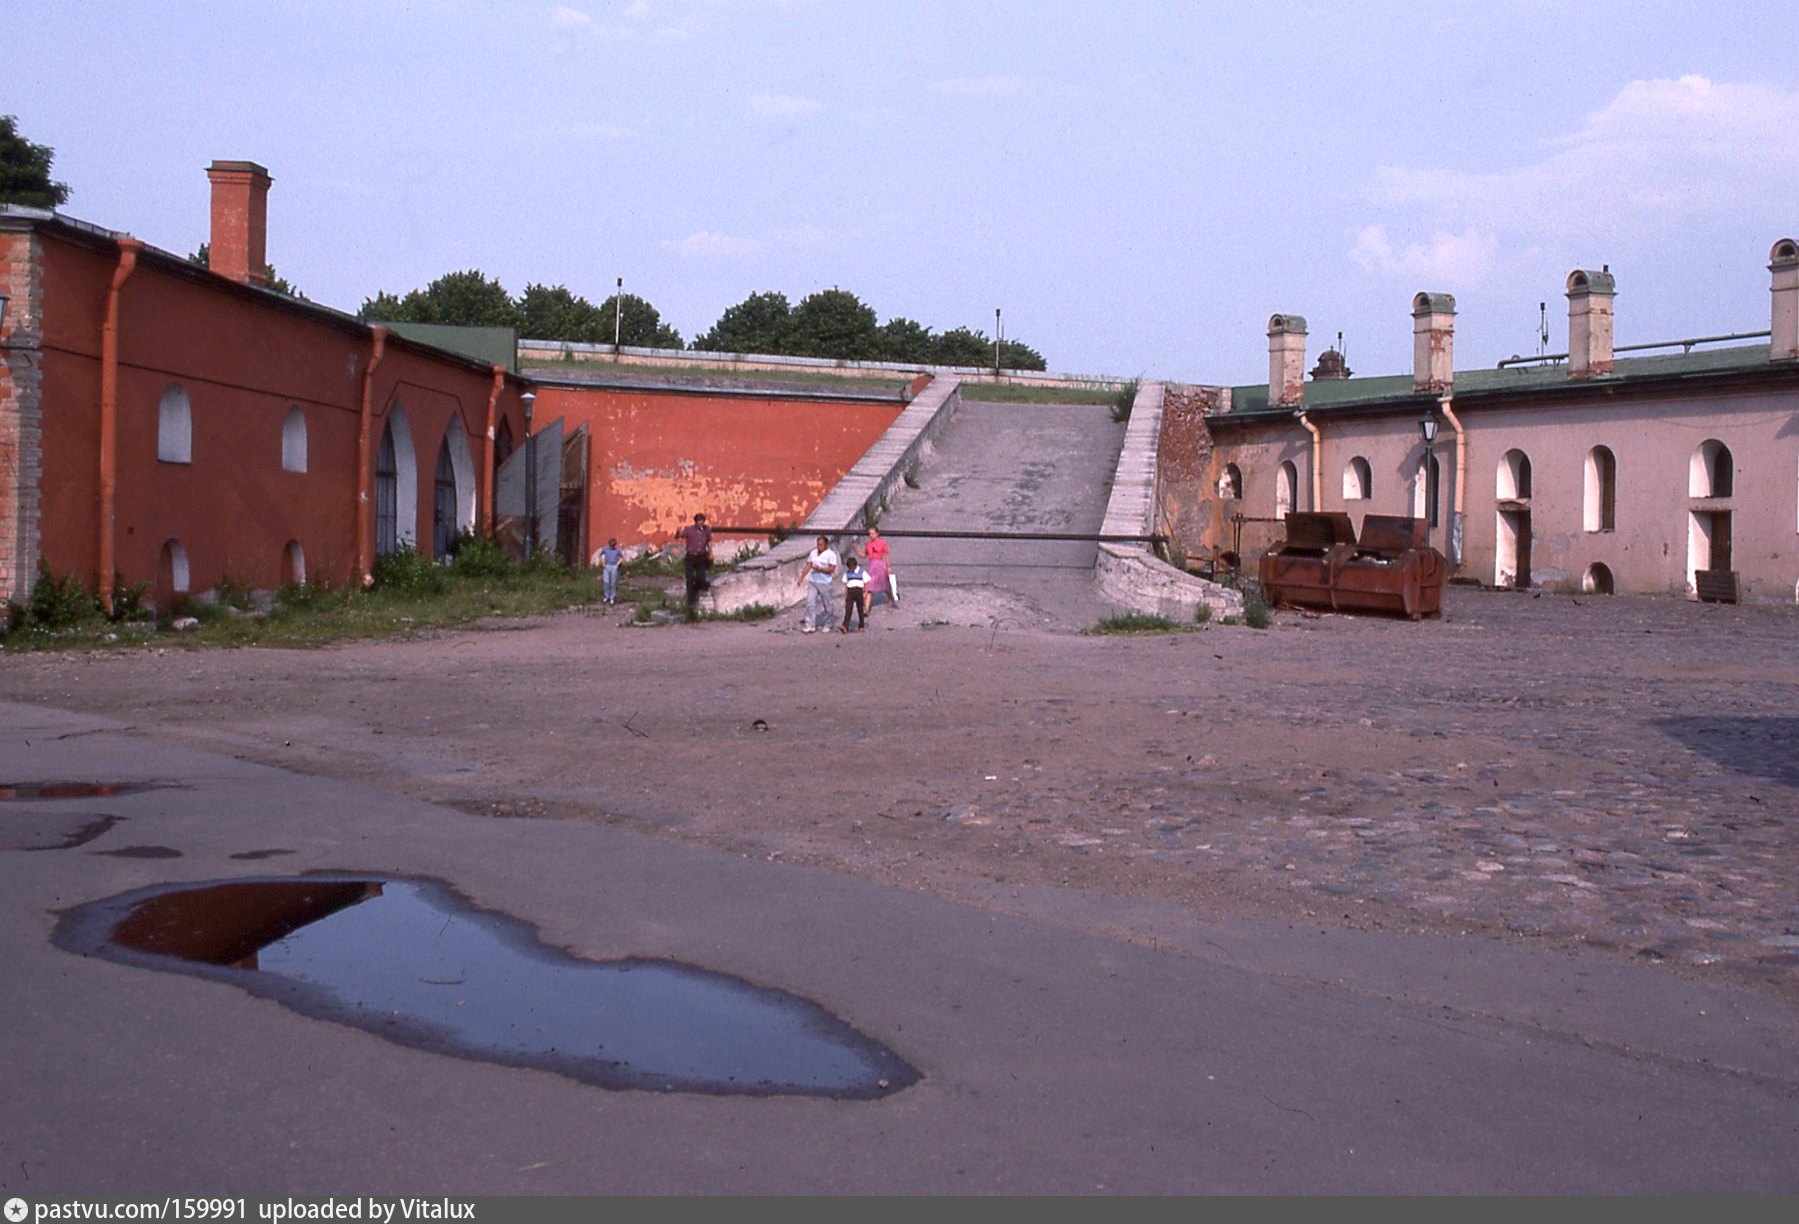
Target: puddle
{"type": "Point", "coordinates": [261, 854]}
{"type": "Point", "coordinates": [412, 962]}
{"type": "Point", "coordinates": [68, 790]}
{"type": "Point", "coordinates": [46, 830]}
{"type": "Point", "coordinates": [142, 852]}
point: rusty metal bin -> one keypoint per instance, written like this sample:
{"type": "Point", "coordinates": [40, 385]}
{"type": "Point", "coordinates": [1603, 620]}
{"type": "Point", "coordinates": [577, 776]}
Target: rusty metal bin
{"type": "Point", "coordinates": [1321, 564]}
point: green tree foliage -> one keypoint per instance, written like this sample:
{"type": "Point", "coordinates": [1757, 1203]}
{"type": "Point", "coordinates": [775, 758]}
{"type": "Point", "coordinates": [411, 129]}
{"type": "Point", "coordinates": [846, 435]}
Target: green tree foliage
{"type": "Point", "coordinates": [759, 324]}
{"type": "Point", "coordinates": [640, 325]}
{"type": "Point", "coordinates": [905, 340]}
{"type": "Point", "coordinates": [468, 299]}
{"type": "Point", "coordinates": [554, 313]}
{"type": "Point", "coordinates": [834, 323]}
{"type": "Point", "coordinates": [25, 170]}
{"type": "Point", "coordinates": [961, 347]}
{"type": "Point", "coordinates": [271, 278]}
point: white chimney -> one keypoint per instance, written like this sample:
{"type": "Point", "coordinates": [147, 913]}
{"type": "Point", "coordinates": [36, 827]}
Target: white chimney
{"type": "Point", "coordinates": [1783, 327]}
{"type": "Point", "coordinates": [1590, 322]}
{"type": "Point", "coordinates": [1433, 342]}
{"type": "Point", "coordinates": [1286, 361]}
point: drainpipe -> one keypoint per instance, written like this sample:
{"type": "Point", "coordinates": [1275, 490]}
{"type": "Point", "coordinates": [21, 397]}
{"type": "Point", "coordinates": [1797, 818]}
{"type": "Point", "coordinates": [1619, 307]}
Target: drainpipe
{"type": "Point", "coordinates": [1447, 405]}
{"type": "Point", "coordinates": [1317, 461]}
{"type": "Point", "coordinates": [364, 463]}
{"type": "Point", "coordinates": [109, 420]}
{"type": "Point", "coordinates": [484, 495]}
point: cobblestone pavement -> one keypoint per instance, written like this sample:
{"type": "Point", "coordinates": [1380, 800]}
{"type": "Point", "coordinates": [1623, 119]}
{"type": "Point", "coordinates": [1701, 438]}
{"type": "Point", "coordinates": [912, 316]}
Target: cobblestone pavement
{"type": "Point", "coordinates": [1617, 774]}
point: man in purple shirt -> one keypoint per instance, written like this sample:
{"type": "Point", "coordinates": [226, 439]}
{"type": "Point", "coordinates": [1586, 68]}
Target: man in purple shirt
{"type": "Point", "coordinates": [697, 540]}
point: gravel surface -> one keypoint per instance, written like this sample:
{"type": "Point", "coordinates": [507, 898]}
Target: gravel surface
{"type": "Point", "coordinates": [1619, 774]}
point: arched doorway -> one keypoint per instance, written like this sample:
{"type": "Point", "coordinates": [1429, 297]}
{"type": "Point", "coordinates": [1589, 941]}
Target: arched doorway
{"type": "Point", "coordinates": [1511, 542]}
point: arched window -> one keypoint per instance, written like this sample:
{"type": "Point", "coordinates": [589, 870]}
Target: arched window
{"type": "Point", "coordinates": [1427, 484]}
{"type": "Point", "coordinates": [293, 565]}
{"type": "Point", "coordinates": [1712, 473]}
{"type": "Point", "coordinates": [443, 504]}
{"type": "Point", "coordinates": [1286, 490]}
{"type": "Point", "coordinates": [1358, 480]}
{"type": "Point", "coordinates": [396, 486]}
{"type": "Point", "coordinates": [1230, 485]}
{"type": "Point", "coordinates": [1600, 506]}
{"type": "Point", "coordinates": [174, 427]}
{"type": "Point", "coordinates": [293, 441]}
{"type": "Point", "coordinates": [171, 575]}
{"type": "Point", "coordinates": [1513, 476]}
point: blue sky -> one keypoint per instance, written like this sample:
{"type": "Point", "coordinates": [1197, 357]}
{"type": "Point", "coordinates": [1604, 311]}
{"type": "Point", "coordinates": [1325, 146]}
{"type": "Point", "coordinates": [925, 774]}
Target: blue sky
{"type": "Point", "coordinates": [1137, 185]}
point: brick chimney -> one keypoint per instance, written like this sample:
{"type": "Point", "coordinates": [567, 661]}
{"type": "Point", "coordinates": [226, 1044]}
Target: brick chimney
{"type": "Point", "coordinates": [240, 220]}
{"type": "Point", "coordinates": [1590, 322]}
{"type": "Point", "coordinates": [1286, 361]}
{"type": "Point", "coordinates": [1433, 342]}
{"type": "Point", "coordinates": [1783, 327]}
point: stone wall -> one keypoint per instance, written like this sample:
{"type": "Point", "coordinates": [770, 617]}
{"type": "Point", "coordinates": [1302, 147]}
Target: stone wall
{"type": "Point", "coordinates": [21, 413]}
{"type": "Point", "coordinates": [1188, 509]}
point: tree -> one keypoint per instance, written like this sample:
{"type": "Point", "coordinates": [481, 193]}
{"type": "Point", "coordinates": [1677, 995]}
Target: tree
{"type": "Point", "coordinates": [640, 325]}
{"type": "Point", "coordinates": [759, 324]}
{"type": "Point", "coordinates": [1016, 355]}
{"type": "Point", "coordinates": [466, 299]}
{"type": "Point", "coordinates": [834, 323]}
{"type": "Point", "coordinates": [25, 170]}
{"type": "Point", "coordinates": [271, 278]}
{"type": "Point", "coordinates": [554, 313]}
{"type": "Point", "coordinates": [905, 340]}
{"type": "Point", "coordinates": [961, 347]}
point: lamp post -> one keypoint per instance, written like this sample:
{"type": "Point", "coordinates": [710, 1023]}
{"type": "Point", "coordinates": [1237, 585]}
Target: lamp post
{"type": "Point", "coordinates": [618, 312]}
{"type": "Point", "coordinates": [996, 335]}
{"type": "Point", "coordinates": [529, 399]}
{"type": "Point", "coordinates": [1428, 427]}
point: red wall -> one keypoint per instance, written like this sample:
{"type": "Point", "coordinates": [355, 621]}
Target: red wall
{"type": "Point", "coordinates": [661, 457]}
{"type": "Point", "coordinates": [244, 362]}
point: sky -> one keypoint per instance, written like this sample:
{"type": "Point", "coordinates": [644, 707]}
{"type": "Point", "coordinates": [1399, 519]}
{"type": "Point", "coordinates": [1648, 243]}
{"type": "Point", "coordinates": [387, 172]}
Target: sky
{"type": "Point", "coordinates": [1137, 186]}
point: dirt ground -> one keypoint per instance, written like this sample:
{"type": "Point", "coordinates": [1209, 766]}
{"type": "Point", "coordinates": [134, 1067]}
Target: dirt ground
{"type": "Point", "coordinates": [1619, 774]}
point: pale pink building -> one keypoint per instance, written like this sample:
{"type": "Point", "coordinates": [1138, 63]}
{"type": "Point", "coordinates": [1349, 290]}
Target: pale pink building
{"type": "Point", "coordinates": [1672, 472]}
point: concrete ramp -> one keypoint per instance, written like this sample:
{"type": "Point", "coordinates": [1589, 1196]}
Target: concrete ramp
{"type": "Point", "coordinates": [1006, 468]}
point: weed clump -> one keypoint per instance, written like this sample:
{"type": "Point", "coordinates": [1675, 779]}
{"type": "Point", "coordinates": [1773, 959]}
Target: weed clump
{"type": "Point", "coordinates": [1136, 622]}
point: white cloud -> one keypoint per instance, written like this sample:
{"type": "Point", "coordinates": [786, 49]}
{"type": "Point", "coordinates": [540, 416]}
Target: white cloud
{"type": "Point", "coordinates": [1658, 154]}
{"type": "Point", "coordinates": [704, 244]}
{"type": "Point", "coordinates": [1445, 259]}
{"type": "Point", "coordinates": [783, 105]}
{"type": "Point", "coordinates": [640, 21]}
{"type": "Point", "coordinates": [998, 86]}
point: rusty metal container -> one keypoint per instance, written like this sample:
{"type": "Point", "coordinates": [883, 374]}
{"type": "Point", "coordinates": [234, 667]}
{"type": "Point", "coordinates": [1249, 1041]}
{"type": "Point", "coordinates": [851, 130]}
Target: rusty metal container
{"type": "Point", "coordinates": [1321, 564]}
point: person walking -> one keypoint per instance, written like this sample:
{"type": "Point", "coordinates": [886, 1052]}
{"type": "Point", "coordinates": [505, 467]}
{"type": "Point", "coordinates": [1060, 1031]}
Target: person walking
{"type": "Point", "coordinates": [697, 540]}
{"type": "Point", "coordinates": [821, 569]}
{"type": "Point", "coordinates": [881, 583]}
{"type": "Point", "coordinates": [610, 557]}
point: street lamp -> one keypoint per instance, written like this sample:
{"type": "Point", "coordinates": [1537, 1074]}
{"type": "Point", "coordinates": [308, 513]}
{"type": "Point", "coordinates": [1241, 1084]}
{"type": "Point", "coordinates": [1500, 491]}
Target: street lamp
{"type": "Point", "coordinates": [996, 335]}
{"type": "Point", "coordinates": [1428, 427]}
{"type": "Point", "coordinates": [529, 399]}
{"type": "Point", "coordinates": [618, 311]}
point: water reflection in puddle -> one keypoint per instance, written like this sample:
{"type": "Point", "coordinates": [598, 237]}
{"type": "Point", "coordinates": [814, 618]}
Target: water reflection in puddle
{"type": "Point", "coordinates": [67, 790]}
{"type": "Point", "coordinates": [411, 961]}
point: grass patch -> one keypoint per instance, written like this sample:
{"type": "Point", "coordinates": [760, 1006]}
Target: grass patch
{"type": "Point", "coordinates": [1256, 614]}
{"type": "Point", "coordinates": [411, 595]}
{"type": "Point", "coordinates": [1137, 622]}
{"type": "Point", "coordinates": [1202, 614]}
{"type": "Point", "coordinates": [1124, 399]}
{"type": "Point", "coordinates": [748, 613]}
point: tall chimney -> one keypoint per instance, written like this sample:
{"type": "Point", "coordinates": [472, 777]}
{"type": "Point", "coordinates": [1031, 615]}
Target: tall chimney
{"type": "Point", "coordinates": [1286, 361]}
{"type": "Point", "coordinates": [1433, 342]}
{"type": "Point", "coordinates": [240, 220]}
{"type": "Point", "coordinates": [1783, 328]}
{"type": "Point", "coordinates": [1590, 322]}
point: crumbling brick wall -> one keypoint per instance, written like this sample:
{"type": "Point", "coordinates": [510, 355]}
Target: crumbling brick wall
{"type": "Point", "coordinates": [1187, 506]}
{"type": "Point", "coordinates": [20, 379]}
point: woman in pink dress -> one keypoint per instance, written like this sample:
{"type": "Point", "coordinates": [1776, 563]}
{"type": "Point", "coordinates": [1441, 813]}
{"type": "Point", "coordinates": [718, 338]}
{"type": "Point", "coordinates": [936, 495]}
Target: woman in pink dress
{"type": "Point", "coordinates": [879, 569]}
